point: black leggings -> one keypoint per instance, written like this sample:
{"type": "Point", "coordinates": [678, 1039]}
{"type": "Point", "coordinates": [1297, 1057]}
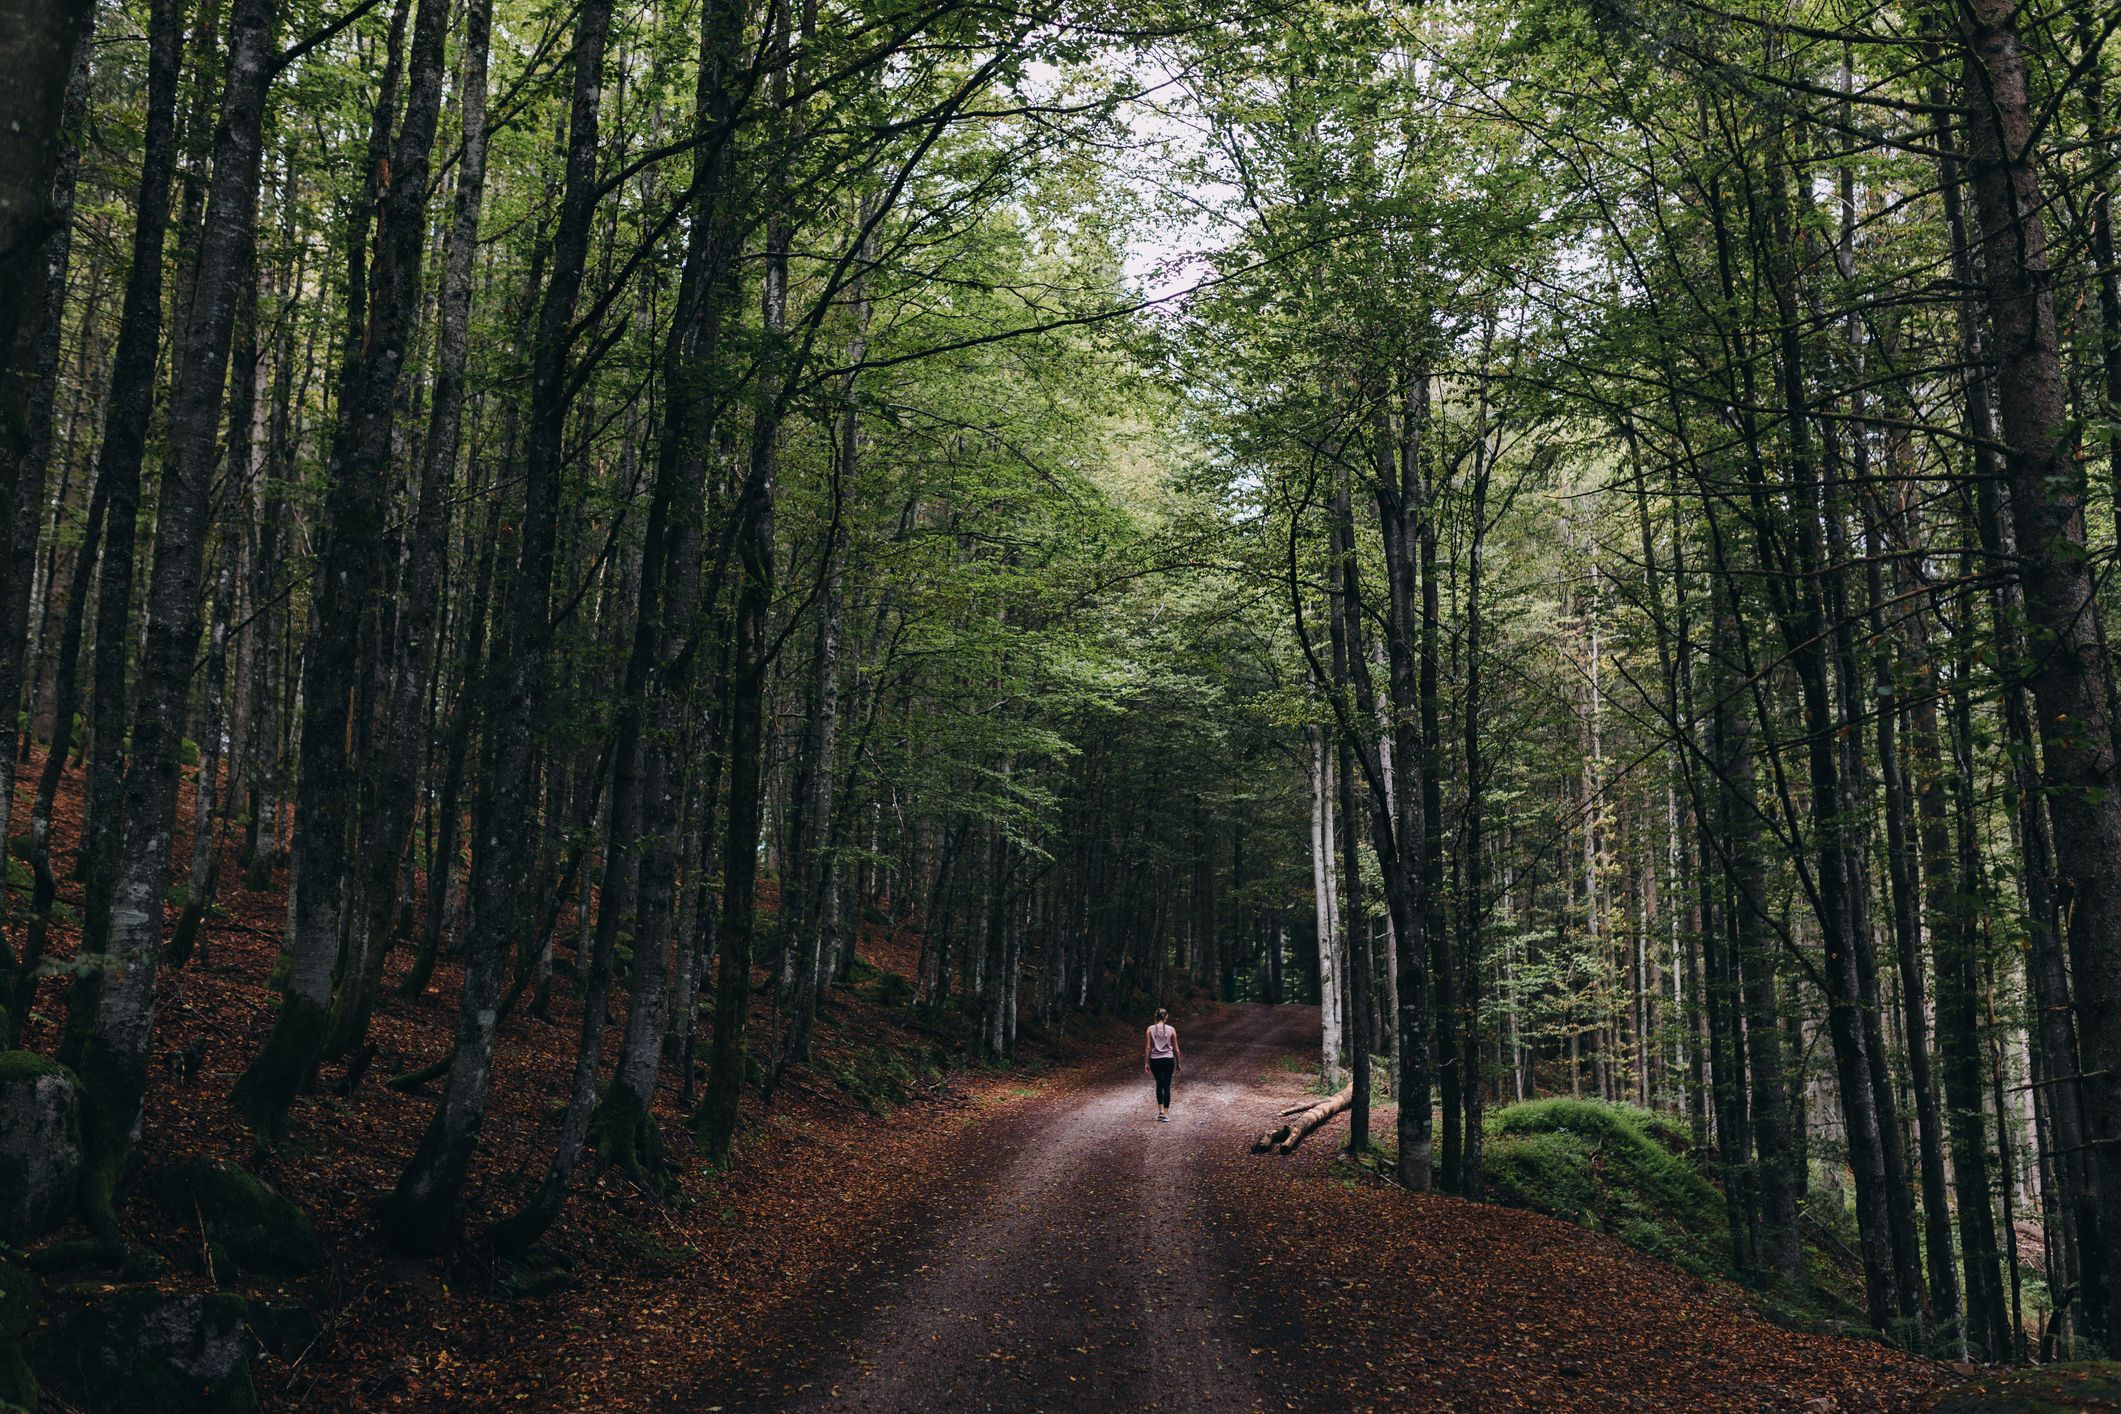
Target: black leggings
{"type": "Point", "coordinates": [1163, 1066]}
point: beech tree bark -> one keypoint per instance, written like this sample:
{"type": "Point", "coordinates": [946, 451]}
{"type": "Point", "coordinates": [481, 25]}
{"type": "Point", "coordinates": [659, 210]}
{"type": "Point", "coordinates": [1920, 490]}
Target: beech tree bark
{"type": "Point", "coordinates": [386, 821]}
{"type": "Point", "coordinates": [119, 1012]}
{"type": "Point", "coordinates": [335, 654]}
{"type": "Point", "coordinates": [37, 178]}
{"type": "Point", "coordinates": [129, 403]}
{"type": "Point", "coordinates": [714, 1122]}
{"type": "Point", "coordinates": [419, 1209]}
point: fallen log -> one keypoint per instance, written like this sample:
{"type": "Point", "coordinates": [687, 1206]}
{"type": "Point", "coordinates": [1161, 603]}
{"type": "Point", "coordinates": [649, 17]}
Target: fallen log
{"type": "Point", "coordinates": [1303, 1121]}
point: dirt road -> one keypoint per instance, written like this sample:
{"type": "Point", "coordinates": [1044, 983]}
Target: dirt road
{"type": "Point", "coordinates": [1074, 1263]}
{"type": "Point", "coordinates": [1086, 1257]}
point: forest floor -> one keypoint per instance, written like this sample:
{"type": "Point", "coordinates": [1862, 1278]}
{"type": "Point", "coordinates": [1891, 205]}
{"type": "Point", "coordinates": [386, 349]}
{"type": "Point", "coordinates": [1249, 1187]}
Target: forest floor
{"type": "Point", "coordinates": [1085, 1256]}
{"type": "Point", "coordinates": [900, 1231]}
{"type": "Point", "coordinates": [657, 1291]}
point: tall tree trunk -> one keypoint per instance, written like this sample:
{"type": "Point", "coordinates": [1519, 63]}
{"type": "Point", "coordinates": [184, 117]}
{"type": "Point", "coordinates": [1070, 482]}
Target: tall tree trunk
{"type": "Point", "coordinates": [1326, 910]}
{"type": "Point", "coordinates": [1958, 946]}
{"type": "Point", "coordinates": [1349, 658]}
{"type": "Point", "coordinates": [1952, 874]}
{"type": "Point", "coordinates": [208, 802]}
{"type": "Point", "coordinates": [1776, 1184]}
{"type": "Point", "coordinates": [113, 1066]}
{"type": "Point", "coordinates": [129, 405]}
{"type": "Point", "coordinates": [38, 42]}
{"type": "Point", "coordinates": [1448, 1063]}
{"type": "Point", "coordinates": [333, 656]}
{"type": "Point", "coordinates": [1402, 513]}
{"type": "Point", "coordinates": [386, 827]}
{"type": "Point", "coordinates": [1721, 814]}
{"type": "Point", "coordinates": [36, 237]}
{"type": "Point", "coordinates": [418, 1211]}
{"type": "Point", "coordinates": [1473, 907]}
{"type": "Point", "coordinates": [2047, 489]}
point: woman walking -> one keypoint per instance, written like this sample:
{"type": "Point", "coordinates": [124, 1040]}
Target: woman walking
{"type": "Point", "coordinates": [1160, 1059]}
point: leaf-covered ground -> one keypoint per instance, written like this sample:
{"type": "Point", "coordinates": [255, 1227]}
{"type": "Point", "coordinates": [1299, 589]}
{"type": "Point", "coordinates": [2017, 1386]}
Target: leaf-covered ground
{"type": "Point", "coordinates": [664, 1293]}
{"type": "Point", "coordinates": [1087, 1257]}
{"type": "Point", "coordinates": [899, 1234]}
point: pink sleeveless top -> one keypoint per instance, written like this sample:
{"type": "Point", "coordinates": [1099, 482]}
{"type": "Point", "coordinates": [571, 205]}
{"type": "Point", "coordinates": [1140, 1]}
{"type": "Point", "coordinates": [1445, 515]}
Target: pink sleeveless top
{"type": "Point", "coordinates": [1160, 1040]}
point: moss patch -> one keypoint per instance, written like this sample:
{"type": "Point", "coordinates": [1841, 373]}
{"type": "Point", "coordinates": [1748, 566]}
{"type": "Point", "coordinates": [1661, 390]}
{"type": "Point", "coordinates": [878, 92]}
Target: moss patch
{"type": "Point", "coordinates": [29, 1065]}
{"type": "Point", "coordinates": [1614, 1168]}
{"type": "Point", "coordinates": [261, 1230]}
{"type": "Point", "coordinates": [880, 1077]}
{"type": "Point", "coordinates": [1622, 1170]}
{"type": "Point", "coordinates": [2050, 1389]}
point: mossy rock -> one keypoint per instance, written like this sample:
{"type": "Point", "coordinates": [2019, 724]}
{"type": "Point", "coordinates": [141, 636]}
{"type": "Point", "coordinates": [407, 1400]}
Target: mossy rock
{"type": "Point", "coordinates": [537, 1271]}
{"type": "Point", "coordinates": [70, 1255]}
{"type": "Point", "coordinates": [893, 991]}
{"type": "Point", "coordinates": [243, 1216]}
{"type": "Point", "coordinates": [1618, 1169]}
{"type": "Point", "coordinates": [41, 1153]}
{"type": "Point", "coordinates": [18, 1381]}
{"type": "Point", "coordinates": [1614, 1168]}
{"type": "Point", "coordinates": [145, 1351]}
{"type": "Point", "coordinates": [284, 1328]}
{"type": "Point", "coordinates": [18, 1300]}
{"type": "Point", "coordinates": [18, 1310]}
{"type": "Point", "coordinates": [2048, 1389]}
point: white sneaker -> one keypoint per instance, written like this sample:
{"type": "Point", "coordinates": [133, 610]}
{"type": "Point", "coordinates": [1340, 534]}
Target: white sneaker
{"type": "Point", "coordinates": [1163, 1119]}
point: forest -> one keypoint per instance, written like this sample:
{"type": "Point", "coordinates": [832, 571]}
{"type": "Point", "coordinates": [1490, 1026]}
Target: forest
{"type": "Point", "coordinates": [642, 637]}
